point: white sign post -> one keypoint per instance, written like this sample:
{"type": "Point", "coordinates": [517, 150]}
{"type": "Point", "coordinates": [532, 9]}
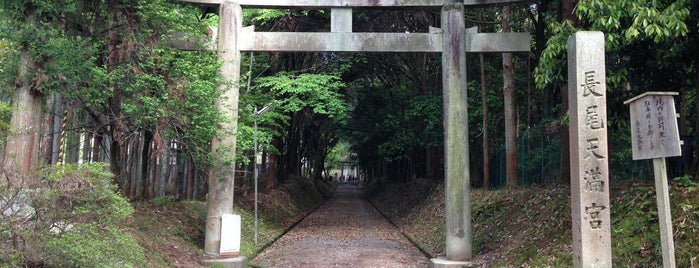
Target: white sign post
{"type": "Point", "coordinates": [230, 235]}
{"type": "Point", "coordinates": [655, 135]}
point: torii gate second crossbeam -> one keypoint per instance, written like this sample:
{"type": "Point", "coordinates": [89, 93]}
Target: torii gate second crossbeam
{"type": "Point", "coordinates": [453, 40]}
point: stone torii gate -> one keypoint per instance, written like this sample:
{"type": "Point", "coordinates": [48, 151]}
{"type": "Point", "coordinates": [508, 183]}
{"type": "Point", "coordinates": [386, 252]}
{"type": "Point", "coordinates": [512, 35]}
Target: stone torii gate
{"type": "Point", "coordinates": [453, 40]}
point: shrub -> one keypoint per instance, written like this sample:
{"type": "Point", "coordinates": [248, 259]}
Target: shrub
{"type": "Point", "coordinates": [75, 221]}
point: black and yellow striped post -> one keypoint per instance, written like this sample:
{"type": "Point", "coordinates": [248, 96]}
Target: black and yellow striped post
{"type": "Point", "coordinates": [61, 147]}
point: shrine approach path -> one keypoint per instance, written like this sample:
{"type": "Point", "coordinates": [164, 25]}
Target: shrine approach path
{"type": "Point", "coordinates": [346, 231]}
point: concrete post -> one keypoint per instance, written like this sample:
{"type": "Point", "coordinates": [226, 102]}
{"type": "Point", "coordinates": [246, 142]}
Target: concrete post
{"type": "Point", "coordinates": [589, 162]}
{"type": "Point", "coordinates": [222, 173]}
{"type": "Point", "coordinates": [456, 166]}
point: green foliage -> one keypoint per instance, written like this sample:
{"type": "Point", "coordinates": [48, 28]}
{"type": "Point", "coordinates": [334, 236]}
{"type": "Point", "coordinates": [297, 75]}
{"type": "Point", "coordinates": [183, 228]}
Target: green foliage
{"type": "Point", "coordinates": [318, 92]}
{"type": "Point", "coordinates": [8, 66]}
{"type": "Point", "coordinates": [5, 113]}
{"type": "Point", "coordinates": [623, 22]}
{"type": "Point", "coordinates": [339, 152]}
{"type": "Point", "coordinates": [161, 200]}
{"type": "Point", "coordinates": [91, 246]}
{"type": "Point", "coordinates": [686, 181]}
{"type": "Point", "coordinates": [635, 228]}
{"type": "Point", "coordinates": [264, 16]}
{"type": "Point", "coordinates": [405, 125]}
{"type": "Point", "coordinates": [425, 112]}
{"type": "Point", "coordinates": [75, 223]}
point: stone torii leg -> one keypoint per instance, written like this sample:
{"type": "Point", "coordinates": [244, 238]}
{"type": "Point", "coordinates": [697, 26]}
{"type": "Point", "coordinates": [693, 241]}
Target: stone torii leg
{"type": "Point", "coordinates": [222, 172]}
{"type": "Point", "coordinates": [459, 235]}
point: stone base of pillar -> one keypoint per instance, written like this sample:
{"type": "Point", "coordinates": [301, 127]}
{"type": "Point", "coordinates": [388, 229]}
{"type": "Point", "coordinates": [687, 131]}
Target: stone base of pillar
{"type": "Point", "coordinates": [237, 262]}
{"type": "Point", "coordinates": [442, 263]}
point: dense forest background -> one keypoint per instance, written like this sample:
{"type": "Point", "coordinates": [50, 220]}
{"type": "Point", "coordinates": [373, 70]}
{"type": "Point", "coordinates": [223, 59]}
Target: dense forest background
{"type": "Point", "coordinates": [101, 81]}
{"type": "Point", "coordinates": [88, 87]}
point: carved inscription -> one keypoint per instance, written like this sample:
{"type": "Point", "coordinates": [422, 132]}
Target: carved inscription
{"type": "Point", "coordinates": [593, 215]}
{"type": "Point", "coordinates": [593, 179]}
{"type": "Point", "coordinates": [590, 85]}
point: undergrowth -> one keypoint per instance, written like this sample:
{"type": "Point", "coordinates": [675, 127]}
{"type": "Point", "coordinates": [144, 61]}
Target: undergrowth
{"type": "Point", "coordinates": [531, 227]}
{"type": "Point", "coordinates": [172, 232]}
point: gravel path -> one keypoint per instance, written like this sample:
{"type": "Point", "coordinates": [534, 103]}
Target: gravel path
{"type": "Point", "coordinates": [346, 231]}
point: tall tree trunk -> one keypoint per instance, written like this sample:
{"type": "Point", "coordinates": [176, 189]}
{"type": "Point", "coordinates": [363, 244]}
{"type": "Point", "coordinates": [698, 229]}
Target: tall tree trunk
{"type": "Point", "coordinates": [179, 177]}
{"type": "Point", "coordinates": [564, 177]}
{"type": "Point", "coordinates": [432, 164]}
{"type": "Point", "coordinates": [190, 181]}
{"type": "Point", "coordinates": [22, 147]}
{"type": "Point", "coordinates": [153, 177]}
{"type": "Point", "coordinates": [695, 165]}
{"type": "Point", "coordinates": [96, 148]}
{"type": "Point", "coordinates": [72, 136]}
{"type": "Point", "coordinates": [510, 110]}
{"type": "Point", "coordinates": [145, 160]}
{"type": "Point", "coordinates": [195, 188]}
{"type": "Point", "coordinates": [272, 172]}
{"type": "Point", "coordinates": [567, 9]}
{"type": "Point", "coordinates": [116, 126]}
{"type": "Point", "coordinates": [48, 137]}
{"type": "Point", "coordinates": [87, 146]}
{"type": "Point", "coordinates": [484, 103]}
{"type": "Point", "coordinates": [163, 174]}
{"type": "Point", "coordinates": [134, 162]}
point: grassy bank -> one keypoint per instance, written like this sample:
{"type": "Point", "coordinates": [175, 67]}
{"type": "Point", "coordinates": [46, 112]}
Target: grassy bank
{"type": "Point", "coordinates": [531, 227]}
{"type": "Point", "coordinates": [172, 233]}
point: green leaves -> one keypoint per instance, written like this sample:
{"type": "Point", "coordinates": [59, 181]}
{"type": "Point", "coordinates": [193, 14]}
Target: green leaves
{"type": "Point", "coordinates": [318, 92]}
{"type": "Point", "coordinates": [624, 24]}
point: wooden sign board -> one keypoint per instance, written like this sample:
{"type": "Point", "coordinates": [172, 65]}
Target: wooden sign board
{"type": "Point", "coordinates": [654, 129]}
{"type": "Point", "coordinates": [230, 235]}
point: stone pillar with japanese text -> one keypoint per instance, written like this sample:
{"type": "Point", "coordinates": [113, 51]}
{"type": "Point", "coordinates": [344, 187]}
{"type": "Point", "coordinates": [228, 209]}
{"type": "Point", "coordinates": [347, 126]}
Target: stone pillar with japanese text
{"type": "Point", "coordinates": [589, 156]}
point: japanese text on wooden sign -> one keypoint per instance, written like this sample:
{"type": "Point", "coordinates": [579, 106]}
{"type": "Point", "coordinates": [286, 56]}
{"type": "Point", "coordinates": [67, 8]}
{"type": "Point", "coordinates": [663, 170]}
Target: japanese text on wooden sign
{"type": "Point", "coordinates": [654, 131]}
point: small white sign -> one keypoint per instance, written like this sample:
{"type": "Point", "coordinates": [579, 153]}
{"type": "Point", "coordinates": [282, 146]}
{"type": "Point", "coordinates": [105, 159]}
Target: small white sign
{"type": "Point", "coordinates": [654, 131]}
{"type": "Point", "coordinates": [230, 235]}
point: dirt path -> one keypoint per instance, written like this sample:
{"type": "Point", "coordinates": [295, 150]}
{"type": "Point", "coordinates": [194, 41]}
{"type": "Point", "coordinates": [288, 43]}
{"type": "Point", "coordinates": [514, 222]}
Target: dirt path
{"type": "Point", "coordinates": [346, 231]}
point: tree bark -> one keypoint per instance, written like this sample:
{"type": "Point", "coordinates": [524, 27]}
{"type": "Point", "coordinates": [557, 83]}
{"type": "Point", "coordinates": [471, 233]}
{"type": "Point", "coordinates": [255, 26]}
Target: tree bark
{"type": "Point", "coordinates": [164, 171]}
{"type": "Point", "coordinates": [47, 140]}
{"type": "Point", "coordinates": [190, 181]}
{"type": "Point", "coordinates": [567, 9]}
{"type": "Point", "coordinates": [22, 147]}
{"type": "Point", "coordinates": [512, 177]}
{"type": "Point", "coordinates": [113, 60]}
{"type": "Point", "coordinates": [72, 137]}
{"type": "Point", "coordinates": [272, 172]}
{"type": "Point", "coordinates": [87, 147]}
{"type": "Point", "coordinates": [695, 165]}
{"type": "Point", "coordinates": [145, 184]}
{"type": "Point", "coordinates": [484, 103]}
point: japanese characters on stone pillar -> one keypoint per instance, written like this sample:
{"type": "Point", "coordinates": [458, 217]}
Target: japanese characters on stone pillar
{"type": "Point", "coordinates": [589, 162]}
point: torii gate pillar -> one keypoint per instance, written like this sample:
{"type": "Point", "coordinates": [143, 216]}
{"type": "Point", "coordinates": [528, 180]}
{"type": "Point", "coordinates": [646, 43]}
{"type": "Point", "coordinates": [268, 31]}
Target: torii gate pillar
{"type": "Point", "coordinates": [222, 172]}
{"type": "Point", "coordinates": [456, 166]}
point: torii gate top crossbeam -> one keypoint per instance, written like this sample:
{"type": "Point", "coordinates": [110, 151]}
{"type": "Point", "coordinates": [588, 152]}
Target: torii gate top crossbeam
{"type": "Point", "coordinates": [315, 4]}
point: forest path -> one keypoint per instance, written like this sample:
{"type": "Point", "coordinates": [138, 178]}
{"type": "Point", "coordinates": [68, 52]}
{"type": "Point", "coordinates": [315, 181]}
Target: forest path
{"type": "Point", "coordinates": [346, 231]}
